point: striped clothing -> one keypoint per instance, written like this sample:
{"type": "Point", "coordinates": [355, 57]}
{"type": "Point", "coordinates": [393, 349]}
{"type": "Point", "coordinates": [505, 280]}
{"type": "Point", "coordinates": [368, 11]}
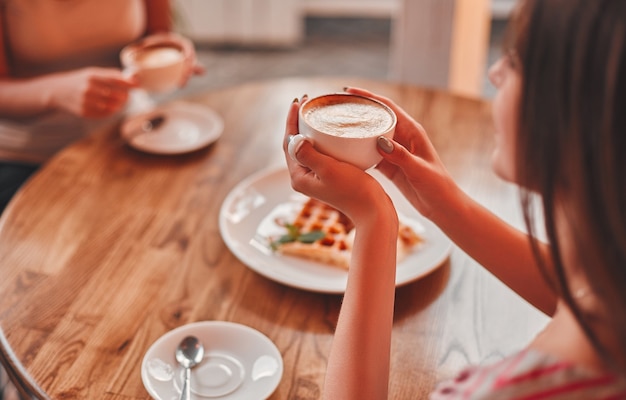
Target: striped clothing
{"type": "Point", "coordinates": [531, 375]}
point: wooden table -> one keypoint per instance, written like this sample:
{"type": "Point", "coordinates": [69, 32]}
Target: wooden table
{"type": "Point", "coordinates": [106, 249]}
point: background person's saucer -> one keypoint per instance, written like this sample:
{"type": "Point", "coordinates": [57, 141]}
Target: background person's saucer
{"type": "Point", "coordinates": [186, 127]}
{"type": "Point", "coordinates": [240, 363]}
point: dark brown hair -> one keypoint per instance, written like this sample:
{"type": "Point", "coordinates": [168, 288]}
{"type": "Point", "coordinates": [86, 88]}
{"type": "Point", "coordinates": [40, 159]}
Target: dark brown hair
{"type": "Point", "coordinates": [572, 148]}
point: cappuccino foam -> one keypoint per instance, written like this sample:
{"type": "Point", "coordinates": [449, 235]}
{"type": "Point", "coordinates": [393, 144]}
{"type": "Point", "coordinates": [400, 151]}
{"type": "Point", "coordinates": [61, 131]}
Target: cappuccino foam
{"type": "Point", "coordinates": [154, 57]}
{"type": "Point", "coordinates": [354, 119]}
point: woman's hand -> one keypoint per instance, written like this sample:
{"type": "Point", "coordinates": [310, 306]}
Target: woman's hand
{"type": "Point", "coordinates": [337, 183]}
{"type": "Point", "coordinates": [358, 364]}
{"type": "Point", "coordinates": [412, 163]}
{"type": "Point", "coordinates": [89, 92]}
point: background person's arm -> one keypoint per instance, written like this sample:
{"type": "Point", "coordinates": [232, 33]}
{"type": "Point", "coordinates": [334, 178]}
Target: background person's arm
{"type": "Point", "coordinates": [159, 16]}
{"type": "Point", "coordinates": [4, 62]}
{"type": "Point", "coordinates": [88, 92]}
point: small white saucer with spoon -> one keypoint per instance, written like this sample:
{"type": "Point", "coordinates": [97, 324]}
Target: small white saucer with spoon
{"type": "Point", "coordinates": [172, 128]}
{"type": "Point", "coordinates": [238, 363]}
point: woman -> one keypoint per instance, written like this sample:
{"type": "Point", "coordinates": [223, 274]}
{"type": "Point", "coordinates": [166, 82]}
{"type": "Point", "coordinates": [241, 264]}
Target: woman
{"type": "Point", "coordinates": [561, 135]}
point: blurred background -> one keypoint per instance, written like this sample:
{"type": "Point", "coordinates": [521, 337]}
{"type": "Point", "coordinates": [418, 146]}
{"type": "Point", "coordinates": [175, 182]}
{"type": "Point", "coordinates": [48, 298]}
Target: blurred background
{"type": "Point", "coordinates": [246, 40]}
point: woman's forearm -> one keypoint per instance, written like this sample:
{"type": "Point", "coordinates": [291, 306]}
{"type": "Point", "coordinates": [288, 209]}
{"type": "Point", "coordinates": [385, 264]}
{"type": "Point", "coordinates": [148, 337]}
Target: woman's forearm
{"type": "Point", "coordinates": [358, 366]}
{"type": "Point", "coordinates": [499, 247]}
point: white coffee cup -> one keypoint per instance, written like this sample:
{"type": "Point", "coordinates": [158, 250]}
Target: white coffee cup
{"type": "Point", "coordinates": [158, 63]}
{"type": "Point", "coordinates": [346, 127]}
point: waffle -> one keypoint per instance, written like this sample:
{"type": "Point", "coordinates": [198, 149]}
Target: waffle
{"type": "Point", "coordinates": [334, 247]}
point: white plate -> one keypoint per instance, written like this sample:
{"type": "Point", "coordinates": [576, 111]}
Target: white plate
{"type": "Point", "coordinates": [187, 127]}
{"type": "Point", "coordinates": [240, 363]}
{"type": "Point", "coordinates": [245, 211]}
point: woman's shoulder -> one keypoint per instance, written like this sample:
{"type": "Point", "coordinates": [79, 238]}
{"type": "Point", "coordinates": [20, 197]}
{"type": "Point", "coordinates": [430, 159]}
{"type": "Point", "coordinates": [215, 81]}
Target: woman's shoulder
{"type": "Point", "coordinates": [531, 374]}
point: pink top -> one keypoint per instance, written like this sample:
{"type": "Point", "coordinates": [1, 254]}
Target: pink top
{"type": "Point", "coordinates": [531, 375]}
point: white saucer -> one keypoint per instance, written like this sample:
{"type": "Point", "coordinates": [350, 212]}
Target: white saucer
{"type": "Point", "coordinates": [240, 363]}
{"type": "Point", "coordinates": [187, 127]}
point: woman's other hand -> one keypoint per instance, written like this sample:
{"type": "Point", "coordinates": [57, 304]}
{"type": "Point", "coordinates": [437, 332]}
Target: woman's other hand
{"type": "Point", "coordinates": [412, 163]}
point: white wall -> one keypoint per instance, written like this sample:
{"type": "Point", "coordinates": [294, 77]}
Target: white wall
{"type": "Point", "coordinates": [350, 8]}
{"type": "Point", "coordinates": [278, 22]}
{"type": "Point", "coordinates": [241, 22]}
{"type": "Point", "coordinates": [500, 9]}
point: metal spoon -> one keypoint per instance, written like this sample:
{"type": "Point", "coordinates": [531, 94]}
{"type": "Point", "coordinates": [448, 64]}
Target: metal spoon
{"type": "Point", "coordinates": [189, 353]}
{"type": "Point", "coordinates": [149, 125]}
{"type": "Point", "coordinates": [152, 123]}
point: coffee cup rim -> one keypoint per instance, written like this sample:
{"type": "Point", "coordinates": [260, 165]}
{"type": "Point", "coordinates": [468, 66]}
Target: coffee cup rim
{"type": "Point", "coordinates": [128, 52]}
{"type": "Point", "coordinates": [309, 101]}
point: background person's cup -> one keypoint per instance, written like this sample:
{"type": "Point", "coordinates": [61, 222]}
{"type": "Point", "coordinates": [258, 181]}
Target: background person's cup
{"type": "Point", "coordinates": [158, 63]}
{"type": "Point", "coordinates": [346, 127]}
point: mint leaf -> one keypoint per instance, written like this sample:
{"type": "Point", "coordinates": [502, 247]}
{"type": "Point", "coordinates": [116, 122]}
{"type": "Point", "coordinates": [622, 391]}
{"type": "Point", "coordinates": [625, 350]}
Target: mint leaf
{"type": "Point", "coordinates": [311, 237]}
{"type": "Point", "coordinates": [293, 234]}
{"type": "Point", "coordinates": [292, 231]}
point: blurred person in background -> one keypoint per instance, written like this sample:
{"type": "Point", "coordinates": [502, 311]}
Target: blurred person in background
{"type": "Point", "coordinates": [60, 76]}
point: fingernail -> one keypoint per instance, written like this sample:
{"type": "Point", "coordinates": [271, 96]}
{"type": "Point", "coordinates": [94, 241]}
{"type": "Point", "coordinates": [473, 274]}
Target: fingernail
{"type": "Point", "coordinates": [385, 144]}
{"type": "Point", "coordinates": [345, 88]}
{"type": "Point", "coordinates": [295, 100]}
{"type": "Point", "coordinates": [294, 145]}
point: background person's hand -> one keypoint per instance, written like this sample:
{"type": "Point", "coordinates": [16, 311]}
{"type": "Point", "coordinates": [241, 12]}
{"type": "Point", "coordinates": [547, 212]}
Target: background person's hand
{"type": "Point", "coordinates": [90, 92]}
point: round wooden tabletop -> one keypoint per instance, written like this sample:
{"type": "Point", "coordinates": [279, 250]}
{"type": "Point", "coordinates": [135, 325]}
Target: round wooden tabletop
{"type": "Point", "coordinates": [108, 248]}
